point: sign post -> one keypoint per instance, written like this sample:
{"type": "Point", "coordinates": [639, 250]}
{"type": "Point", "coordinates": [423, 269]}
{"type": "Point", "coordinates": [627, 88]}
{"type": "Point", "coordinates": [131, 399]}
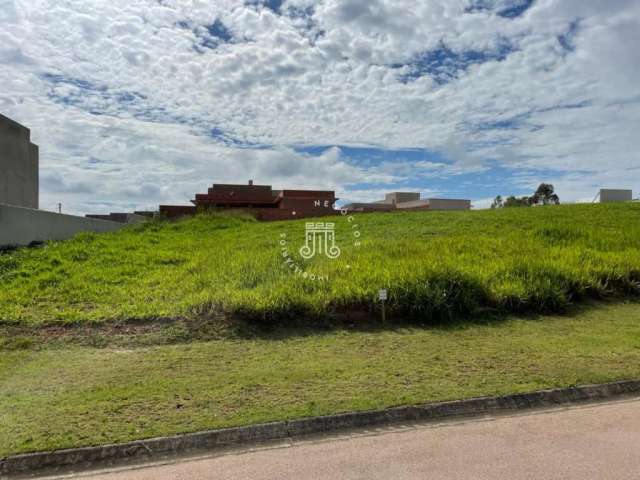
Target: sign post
{"type": "Point", "coordinates": [382, 296]}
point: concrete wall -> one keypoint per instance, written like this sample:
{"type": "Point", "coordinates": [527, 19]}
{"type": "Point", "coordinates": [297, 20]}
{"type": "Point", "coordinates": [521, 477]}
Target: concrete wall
{"type": "Point", "coordinates": [414, 205]}
{"type": "Point", "coordinates": [448, 204]}
{"type": "Point", "coordinates": [120, 217]}
{"type": "Point", "coordinates": [369, 207]}
{"type": "Point", "coordinates": [607, 195]}
{"type": "Point", "coordinates": [21, 226]}
{"type": "Point", "coordinates": [401, 197]}
{"type": "Point", "coordinates": [18, 165]}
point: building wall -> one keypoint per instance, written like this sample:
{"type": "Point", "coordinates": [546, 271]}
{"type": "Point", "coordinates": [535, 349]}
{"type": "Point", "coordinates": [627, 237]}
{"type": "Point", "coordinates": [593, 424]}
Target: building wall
{"type": "Point", "coordinates": [414, 205]}
{"type": "Point", "coordinates": [609, 195]}
{"type": "Point", "coordinates": [270, 214]}
{"type": "Point", "coordinates": [401, 197]}
{"type": "Point", "coordinates": [175, 211]}
{"type": "Point", "coordinates": [18, 165]}
{"type": "Point", "coordinates": [312, 194]}
{"type": "Point", "coordinates": [312, 205]}
{"type": "Point", "coordinates": [263, 214]}
{"type": "Point", "coordinates": [21, 226]}
{"type": "Point", "coordinates": [426, 204]}
{"type": "Point", "coordinates": [370, 207]}
{"type": "Point", "coordinates": [448, 204]}
{"type": "Point", "coordinates": [120, 217]}
{"type": "Point", "coordinates": [260, 201]}
{"type": "Point", "coordinates": [247, 193]}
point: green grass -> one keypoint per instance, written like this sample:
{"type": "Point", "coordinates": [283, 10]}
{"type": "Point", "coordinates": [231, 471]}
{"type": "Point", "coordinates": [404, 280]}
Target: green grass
{"type": "Point", "coordinates": [436, 265]}
{"type": "Point", "coordinates": [120, 373]}
{"type": "Point", "coordinates": [74, 396]}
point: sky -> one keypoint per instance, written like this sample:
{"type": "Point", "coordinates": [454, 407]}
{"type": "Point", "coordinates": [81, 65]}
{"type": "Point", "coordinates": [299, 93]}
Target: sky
{"type": "Point", "coordinates": [140, 102]}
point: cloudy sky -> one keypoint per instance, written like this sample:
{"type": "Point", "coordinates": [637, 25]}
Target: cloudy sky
{"type": "Point", "coordinates": [140, 102]}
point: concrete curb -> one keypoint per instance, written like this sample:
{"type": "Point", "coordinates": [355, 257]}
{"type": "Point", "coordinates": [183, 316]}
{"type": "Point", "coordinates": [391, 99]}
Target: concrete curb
{"type": "Point", "coordinates": [84, 457]}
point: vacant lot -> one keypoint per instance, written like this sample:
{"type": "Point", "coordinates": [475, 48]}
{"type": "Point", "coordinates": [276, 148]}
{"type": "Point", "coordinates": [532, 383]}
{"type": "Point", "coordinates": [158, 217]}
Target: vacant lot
{"type": "Point", "coordinates": [436, 265]}
{"type": "Point", "coordinates": [61, 397]}
{"type": "Point", "coordinates": [114, 337]}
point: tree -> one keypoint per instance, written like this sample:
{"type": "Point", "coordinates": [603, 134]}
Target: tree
{"type": "Point", "coordinates": [517, 202]}
{"type": "Point", "coordinates": [545, 195]}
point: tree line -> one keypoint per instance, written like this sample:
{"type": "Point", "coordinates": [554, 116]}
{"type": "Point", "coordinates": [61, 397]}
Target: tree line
{"type": "Point", "coordinates": [544, 195]}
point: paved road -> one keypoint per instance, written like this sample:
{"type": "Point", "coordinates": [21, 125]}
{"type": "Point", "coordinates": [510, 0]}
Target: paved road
{"type": "Point", "coordinates": [586, 442]}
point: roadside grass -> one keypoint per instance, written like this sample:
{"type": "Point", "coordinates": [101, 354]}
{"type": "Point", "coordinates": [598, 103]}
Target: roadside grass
{"type": "Point", "coordinates": [53, 398]}
{"type": "Point", "coordinates": [436, 266]}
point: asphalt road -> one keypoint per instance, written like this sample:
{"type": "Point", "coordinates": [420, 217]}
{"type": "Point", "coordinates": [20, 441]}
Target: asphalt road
{"type": "Point", "coordinates": [599, 441]}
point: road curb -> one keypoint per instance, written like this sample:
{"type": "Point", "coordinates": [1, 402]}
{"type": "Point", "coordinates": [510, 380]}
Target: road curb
{"type": "Point", "coordinates": [85, 457]}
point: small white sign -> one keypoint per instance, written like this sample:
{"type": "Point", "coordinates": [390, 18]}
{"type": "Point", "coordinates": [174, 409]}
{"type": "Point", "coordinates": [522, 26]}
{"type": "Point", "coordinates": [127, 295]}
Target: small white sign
{"type": "Point", "coordinates": [382, 294]}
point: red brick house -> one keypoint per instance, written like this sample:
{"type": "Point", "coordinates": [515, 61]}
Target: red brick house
{"type": "Point", "coordinates": [259, 200]}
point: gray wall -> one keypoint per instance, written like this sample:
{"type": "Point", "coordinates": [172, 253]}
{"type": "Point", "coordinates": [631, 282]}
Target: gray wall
{"type": "Point", "coordinates": [21, 226]}
{"type": "Point", "coordinates": [399, 197]}
{"type": "Point", "coordinates": [449, 204]}
{"type": "Point", "coordinates": [120, 217]}
{"type": "Point", "coordinates": [415, 204]}
{"type": "Point", "coordinates": [609, 195]}
{"type": "Point", "coordinates": [18, 165]}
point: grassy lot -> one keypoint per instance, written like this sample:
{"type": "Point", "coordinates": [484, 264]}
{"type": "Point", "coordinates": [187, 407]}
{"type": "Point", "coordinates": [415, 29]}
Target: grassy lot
{"type": "Point", "coordinates": [436, 265]}
{"type": "Point", "coordinates": [52, 398]}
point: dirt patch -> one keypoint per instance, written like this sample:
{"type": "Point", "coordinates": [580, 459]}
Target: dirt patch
{"type": "Point", "coordinates": [126, 334]}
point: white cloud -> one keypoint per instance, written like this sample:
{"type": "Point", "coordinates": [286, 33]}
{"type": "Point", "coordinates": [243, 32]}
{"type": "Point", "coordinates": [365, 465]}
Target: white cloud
{"type": "Point", "coordinates": [330, 76]}
{"type": "Point", "coordinates": [482, 204]}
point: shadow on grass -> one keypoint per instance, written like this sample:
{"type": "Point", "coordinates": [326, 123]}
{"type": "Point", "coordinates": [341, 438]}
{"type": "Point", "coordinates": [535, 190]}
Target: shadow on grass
{"type": "Point", "coordinates": [138, 333]}
{"type": "Point", "coordinates": [372, 323]}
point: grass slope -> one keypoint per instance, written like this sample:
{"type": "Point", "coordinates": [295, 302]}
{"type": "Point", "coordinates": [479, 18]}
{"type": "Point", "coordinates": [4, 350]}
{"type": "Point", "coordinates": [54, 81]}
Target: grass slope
{"type": "Point", "coordinates": [436, 265]}
{"type": "Point", "coordinates": [75, 396]}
